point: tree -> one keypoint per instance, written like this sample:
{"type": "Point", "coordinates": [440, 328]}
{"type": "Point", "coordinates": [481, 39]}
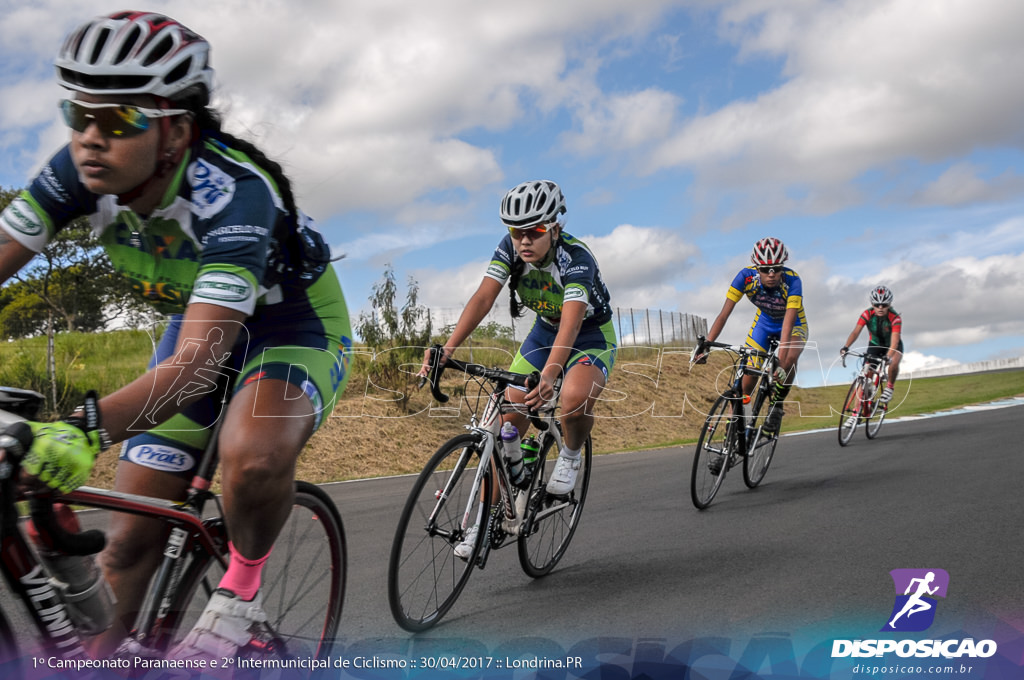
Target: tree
{"type": "Point", "coordinates": [71, 284]}
{"type": "Point", "coordinates": [397, 336]}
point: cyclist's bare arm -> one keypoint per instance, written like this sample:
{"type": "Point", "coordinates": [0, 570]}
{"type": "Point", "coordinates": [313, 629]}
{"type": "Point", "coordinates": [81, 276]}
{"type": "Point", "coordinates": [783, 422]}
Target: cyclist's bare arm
{"type": "Point", "coordinates": [473, 313]}
{"type": "Point", "coordinates": [853, 336]}
{"type": "Point", "coordinates": [13, 256]}
{"type": "Point", "coordinates": [719, 322]}
{"type": "Point", "coordinates": [206, 337]}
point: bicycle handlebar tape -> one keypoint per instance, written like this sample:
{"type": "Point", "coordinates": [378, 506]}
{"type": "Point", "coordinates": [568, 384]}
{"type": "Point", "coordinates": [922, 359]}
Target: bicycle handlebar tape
{"type": "Point", "coordinates": [436, 352]}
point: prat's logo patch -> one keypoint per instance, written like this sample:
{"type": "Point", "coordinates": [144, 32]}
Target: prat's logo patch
{"type": "Point", "coordinates": [159, 457]}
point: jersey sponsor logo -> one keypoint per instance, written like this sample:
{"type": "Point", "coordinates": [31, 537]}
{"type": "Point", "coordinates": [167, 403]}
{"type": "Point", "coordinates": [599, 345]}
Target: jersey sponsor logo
{"type": "Point", "coordinates": [575, 293]}
{"type": "Point", "coordinates": [160, 457]}
{"type": "Point", "coordinates": [20, 217]}
{"type": "Point", "coordinates": [223, 287]}
{"type": "Point", "coordinates": [212, 189]}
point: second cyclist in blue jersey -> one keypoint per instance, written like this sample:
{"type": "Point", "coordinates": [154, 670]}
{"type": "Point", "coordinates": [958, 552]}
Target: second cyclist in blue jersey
{"type": "Point", "coordinates": [555, 276]}
{"type": "Point", "coordinates": [777, 293]}
{"type": "Point", "coordinates": [205, 227]}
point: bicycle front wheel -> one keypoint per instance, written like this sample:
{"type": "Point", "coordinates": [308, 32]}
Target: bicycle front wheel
{"type": "Point", "coordinates": [878, 411]}
{"type": "Point", "coordinates": [425, 577]}
{"type": "Point", "coordinates": [760, 444]}
{"type": "Point", "coordinates": [850, 416]}
{"type": "Point", "coordinates": [551, 521]}
{"type": "Point", "coordinates": [303, 581]}
{"type": "Point", "coordinates": [713, 456]}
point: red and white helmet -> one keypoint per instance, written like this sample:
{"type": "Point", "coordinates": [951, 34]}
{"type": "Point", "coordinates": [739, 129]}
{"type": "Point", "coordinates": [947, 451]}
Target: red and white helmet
{"type": "Point", "coordinates": [769, 251]}
{"type": "Point", "coordinates": [136, 53]}
{"type": "Point", "coordinates": [880, 295]}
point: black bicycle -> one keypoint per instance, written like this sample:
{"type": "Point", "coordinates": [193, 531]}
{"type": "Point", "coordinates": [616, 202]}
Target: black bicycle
{"type": "Point", "coordinates": [734, 430]}
{"type": "Point", "coordinates": [466, 487]}
{"type": "Point", "coordinates": [303, 581]}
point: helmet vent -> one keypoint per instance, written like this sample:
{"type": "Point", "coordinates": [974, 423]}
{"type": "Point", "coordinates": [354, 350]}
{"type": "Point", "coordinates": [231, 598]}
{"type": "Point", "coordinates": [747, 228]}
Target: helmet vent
{"type": "Point", "coordinates": [159, 52]}
{"type": "Point", "coordinates": [179, 72]}
{"type": "Point", "coordinates": [127, 44]}
{"type": "Point", "coordinates": [97, 49]}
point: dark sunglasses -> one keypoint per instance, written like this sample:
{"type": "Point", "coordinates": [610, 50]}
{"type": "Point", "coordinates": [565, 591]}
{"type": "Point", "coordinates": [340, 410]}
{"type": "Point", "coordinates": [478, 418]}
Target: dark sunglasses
{"type": "Point", "coordinates": [534, 232]}
{"type": "Point", "coordinates": [113, 120]}
{"type": "Point", "coordinates": [770, 270]}
{"type": "Point", "coordinates": [880, 306]}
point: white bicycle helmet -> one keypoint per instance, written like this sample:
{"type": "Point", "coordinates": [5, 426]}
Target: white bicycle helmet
{"type": "Point", "coordinates": [880, 295]}
{"type": "Point", "coordinates": [769, 251]}
{"type": "Point", "coordinates": [135, 53]}
{"type": "Point", "coordinates": [531, 203]}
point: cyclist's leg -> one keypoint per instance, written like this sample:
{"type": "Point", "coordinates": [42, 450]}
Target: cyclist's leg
{"type": "Point", "coordinates": [296, 367]}
{"type": "Point", "coordinates": [585, 377]}
{"type": "Point", "coordinates": [158, 463]}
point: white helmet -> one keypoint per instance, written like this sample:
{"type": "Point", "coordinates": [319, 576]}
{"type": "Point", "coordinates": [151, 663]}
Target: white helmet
{"type": "Point", "coordinates": [136, 53]}
{"type": "Point", "coordinates": [880, 295]}
{"type": "Point", "coordinates": [531, 203]}
{"type": "Point", "coordinates": [769, 251]}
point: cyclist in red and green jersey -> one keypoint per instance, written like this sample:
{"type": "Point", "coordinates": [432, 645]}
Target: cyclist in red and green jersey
{"type": "Point", "coordinates": [885, 330]}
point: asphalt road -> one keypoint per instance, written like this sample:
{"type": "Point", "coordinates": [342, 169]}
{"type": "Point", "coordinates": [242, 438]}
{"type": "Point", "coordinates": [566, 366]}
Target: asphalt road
{"type": "Point", "coordinates": [812, 546]}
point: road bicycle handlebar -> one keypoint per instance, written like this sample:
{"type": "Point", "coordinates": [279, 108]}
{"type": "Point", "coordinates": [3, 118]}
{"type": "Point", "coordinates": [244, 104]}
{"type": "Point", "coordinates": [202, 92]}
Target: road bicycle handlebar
{"type": "Point", "coordinates": [875, 359]}
{"type": "Point", "coordinates": [16, 440]}
{"type": "Point", "coordinates": [703, 344]}
{"type": "Point", "coordinates": [498, 375]}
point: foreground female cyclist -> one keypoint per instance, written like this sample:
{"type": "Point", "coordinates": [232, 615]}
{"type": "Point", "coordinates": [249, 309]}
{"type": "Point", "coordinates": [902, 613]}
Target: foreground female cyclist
{"type": "Point", "coordinates": [556, 276]}
{"type": "Point", "coordinates": [205, 226]}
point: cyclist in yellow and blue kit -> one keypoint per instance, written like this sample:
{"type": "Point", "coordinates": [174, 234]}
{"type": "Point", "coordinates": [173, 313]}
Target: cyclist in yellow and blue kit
{"type": "Point", "coordinates": [777, 293]}
{"type": "Point", "coordinates": [206, 228]}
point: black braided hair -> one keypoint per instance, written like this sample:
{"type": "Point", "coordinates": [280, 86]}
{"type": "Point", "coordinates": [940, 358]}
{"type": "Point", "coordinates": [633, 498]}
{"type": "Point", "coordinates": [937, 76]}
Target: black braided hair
{"type": "Point", "coordinates": [515, 307]}
{"type": "Point", "coordinates": [209, 123]}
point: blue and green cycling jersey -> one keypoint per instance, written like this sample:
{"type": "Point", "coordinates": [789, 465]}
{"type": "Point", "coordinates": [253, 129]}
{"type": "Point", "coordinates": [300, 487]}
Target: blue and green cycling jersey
{"type": "Point", "coordinates": [221, 235]}
{"type": "Point", "coordinates": [215, 237]}
{"type": "Point", "coordinates": [568, 273]}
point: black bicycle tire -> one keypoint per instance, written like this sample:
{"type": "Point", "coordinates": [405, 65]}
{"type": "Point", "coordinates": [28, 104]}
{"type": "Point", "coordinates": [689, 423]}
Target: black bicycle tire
{"type": "Point", "coordinates": [872, 426]}
{"type": "Point", "coordinates": [315, 641]}
{"type": "Point", "coordinates": [417, 618]}
{"type": "Point", "coordinates": [538, 496]}
{"type": "Point", "coordinates": [712, 422]}
{"type": "Point", "coordinates": [755, 466]}
{"type": "Point", "coordinates": [846, 431]}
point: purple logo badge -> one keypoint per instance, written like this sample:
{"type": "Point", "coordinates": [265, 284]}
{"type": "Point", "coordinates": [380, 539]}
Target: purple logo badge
{"type": "Point", "coordinates": [916, 590]}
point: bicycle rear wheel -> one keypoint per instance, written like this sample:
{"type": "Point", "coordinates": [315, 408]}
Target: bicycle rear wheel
{"type": "Point", "coordinates": [303, 581]}
{"type": "Point", "coordinates": [424, 575]}
{"type": "Point", "coordinates": [712, 458]}
{"type": "Point", "coordinates": [850, 416]}
{"type": "Point", "coordinates": [551, 521]}
{"type": "Point", "coordinates": [760, 445]}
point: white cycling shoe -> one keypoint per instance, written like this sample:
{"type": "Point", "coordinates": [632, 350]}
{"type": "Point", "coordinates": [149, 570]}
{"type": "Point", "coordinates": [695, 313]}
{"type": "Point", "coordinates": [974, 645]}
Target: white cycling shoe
{"type": "Point", "coordinates": [563, 477]}
{"type": "Point", "coordinates": [227, 624]}
{"type": "Point", "coordinates": [464, 550]}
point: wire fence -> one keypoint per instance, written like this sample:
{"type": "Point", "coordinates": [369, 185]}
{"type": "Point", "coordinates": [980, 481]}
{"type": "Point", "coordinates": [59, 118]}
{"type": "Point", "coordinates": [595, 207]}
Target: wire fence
{"type": "Point", "coordinates": [633, 327]}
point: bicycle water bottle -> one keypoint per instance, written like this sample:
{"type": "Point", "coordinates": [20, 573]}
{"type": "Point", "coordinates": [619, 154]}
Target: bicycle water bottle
{"type": "Point", "coordinates": [77, 578]}
{"type": "Point", "coordinates": [513, 453]}
{"type": "Point", "coordinates": [748, 411]}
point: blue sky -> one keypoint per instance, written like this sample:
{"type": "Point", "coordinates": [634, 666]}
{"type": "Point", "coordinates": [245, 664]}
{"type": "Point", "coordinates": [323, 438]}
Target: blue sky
{"type": "Point", "coordinates": [880, 140]}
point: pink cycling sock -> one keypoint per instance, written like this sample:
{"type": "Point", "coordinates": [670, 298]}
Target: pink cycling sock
{"type": "Point", "coordinates": [243, 575]}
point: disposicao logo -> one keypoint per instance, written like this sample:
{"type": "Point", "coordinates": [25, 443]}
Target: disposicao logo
{"type": "Point", "coordinates": [916, 590]}
{"type": "Point", "coordinates": [913, 611]}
